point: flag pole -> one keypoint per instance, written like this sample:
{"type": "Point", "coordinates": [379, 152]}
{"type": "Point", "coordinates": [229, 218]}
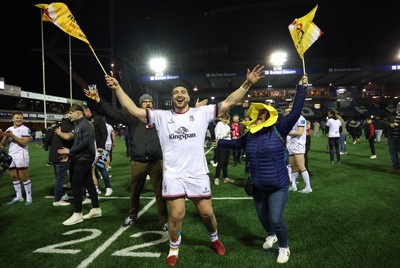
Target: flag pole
{"type": "Point", "coordinates": [70, 72]}
{"type": "Point", "coordinates": [94, 53]}
{"type": "Point", "coordinates": [304, 65]}
{"type": "Point", "coordinates": [43, 72]}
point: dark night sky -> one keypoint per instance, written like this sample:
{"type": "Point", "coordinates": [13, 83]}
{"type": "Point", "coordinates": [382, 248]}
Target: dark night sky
{"type": "Point", "coordinates": [352, 27]}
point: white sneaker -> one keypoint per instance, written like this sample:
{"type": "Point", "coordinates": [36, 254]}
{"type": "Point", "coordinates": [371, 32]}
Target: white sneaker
{"type": "Point", "coordinates": [65, 197]}
{"type": "Point", "coordinates": [60, 203]}
{"type": "Point", "coordinates": [292, 189]}
{"type": "Point", "coordinates": [86, 201]}
{"type": "Point", "coordinates": [373, 157]}
{"type": "Point", "coordinates": [305, 191]}
{"type": "Point", "coordinates": [228, 180]}
{"type": "Point", "coordinates": [93, 213]}
{"type": "Point", "coordinates": [109, 192]}
{"type": "Point", "coordinates": [270, 241]}
{"type": "Point", "coordinates": [215, 164]}
{"type": "Point", "coordinates": [283, 255]}
{"type": "Point", "coordinates": [74, 219]}
{"type": "Point", "coordinates": [216, 182]}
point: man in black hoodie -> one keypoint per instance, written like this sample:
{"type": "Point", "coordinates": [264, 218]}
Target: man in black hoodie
{"type": "Point", "coordinates": [101, 134]}
{"type": "Point", "coordinates": [145, 154]}
{"type": "Point", "coordinates": [60, 163]}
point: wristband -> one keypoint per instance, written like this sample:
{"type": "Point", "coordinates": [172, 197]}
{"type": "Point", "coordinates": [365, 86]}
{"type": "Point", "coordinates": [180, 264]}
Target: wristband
{"type": "Point", "coordinates": [246, 82]}
{"type": "Point", "coordinates": [245, 90]}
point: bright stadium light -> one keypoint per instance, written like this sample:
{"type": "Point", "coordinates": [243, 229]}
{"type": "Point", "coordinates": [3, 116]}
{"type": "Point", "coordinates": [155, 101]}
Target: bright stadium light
{"type": "Point", "coordinates": [278, 59]}
{"type": "Point", "coordinates": [158, 65]}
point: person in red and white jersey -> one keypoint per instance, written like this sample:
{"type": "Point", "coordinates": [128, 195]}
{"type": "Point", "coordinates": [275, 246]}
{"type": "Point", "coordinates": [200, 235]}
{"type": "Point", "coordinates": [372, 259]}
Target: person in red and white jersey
{"type": "Point", "coordinates": [181, 131]}
{"type": "Point", "coordinates": [17, 137]}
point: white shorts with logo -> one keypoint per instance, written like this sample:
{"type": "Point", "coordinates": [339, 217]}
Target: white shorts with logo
{"type": "Point", "coordinates": [296, 148]}
{"type": "Point", "coordinates": [20, 162]}
{"type": "Point", "coordinates": [190, 187]}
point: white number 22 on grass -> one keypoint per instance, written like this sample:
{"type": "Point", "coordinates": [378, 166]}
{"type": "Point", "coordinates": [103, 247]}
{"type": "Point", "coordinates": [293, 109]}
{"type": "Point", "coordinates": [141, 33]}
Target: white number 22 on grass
{"type": "Point", "coordinates": [93, 233]}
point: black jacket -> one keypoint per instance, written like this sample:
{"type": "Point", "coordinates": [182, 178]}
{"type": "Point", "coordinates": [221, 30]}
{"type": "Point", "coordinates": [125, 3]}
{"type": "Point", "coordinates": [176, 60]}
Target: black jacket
{"type": "Point", "coordinates": [100, 130]}
{"type": "Point", "coordinates": [143, 139]}
{"type": "Point", "coordinates": [84, 141]}
{"type": "Point", "coordinates": [55, 142]}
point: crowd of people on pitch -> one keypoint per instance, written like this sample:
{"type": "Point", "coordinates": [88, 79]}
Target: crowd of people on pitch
{"type": "Point", "coordinates": [168, 147]}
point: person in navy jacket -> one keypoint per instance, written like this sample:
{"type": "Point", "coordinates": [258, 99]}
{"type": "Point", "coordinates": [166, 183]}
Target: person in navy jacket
{"type": "Point", "coordinates": [265, 145]}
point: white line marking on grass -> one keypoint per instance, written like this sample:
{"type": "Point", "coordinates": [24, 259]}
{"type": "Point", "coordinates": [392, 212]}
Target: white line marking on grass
{"type": "Point", "coordinates": [104, 197]}
{"type": "Point", "coordinates": [232, 198]}
{"type": "Point", "coordinates": [85, 263]}
{"type": "Point", "coordinates": [127, 197]}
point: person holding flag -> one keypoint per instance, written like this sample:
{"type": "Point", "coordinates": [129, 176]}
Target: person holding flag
{"type": "Point", "coordinates": [181, 131]}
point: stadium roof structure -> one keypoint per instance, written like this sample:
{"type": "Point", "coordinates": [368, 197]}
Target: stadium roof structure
{"type": "Point", "coordinates": [208, 46]}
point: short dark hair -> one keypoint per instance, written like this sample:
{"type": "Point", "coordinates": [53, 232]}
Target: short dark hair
{"type": "Point", "coordinates": [179, 85]}
{"type": "Point", "coordinates": [19, 113]}
{"type": "Point", "coordinates": [76, 107]}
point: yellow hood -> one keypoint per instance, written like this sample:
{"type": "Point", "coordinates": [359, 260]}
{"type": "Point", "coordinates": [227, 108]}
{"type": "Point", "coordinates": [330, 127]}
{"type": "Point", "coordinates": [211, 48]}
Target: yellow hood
{"type": "Point", "coordinates": [253, 111]}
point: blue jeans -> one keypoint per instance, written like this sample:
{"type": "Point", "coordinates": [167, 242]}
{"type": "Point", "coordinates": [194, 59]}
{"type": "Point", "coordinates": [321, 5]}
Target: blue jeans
{"type": "Point", "coordinates": [104, 174]}
{"type": "Point", "coordinates": [394, 149]}
{"type": "Point", "coordinates": [334, 147]}
{"type": "Point", "coordinates": [60, 171]}
{"type": "Point", "coordinates": [270, 206]}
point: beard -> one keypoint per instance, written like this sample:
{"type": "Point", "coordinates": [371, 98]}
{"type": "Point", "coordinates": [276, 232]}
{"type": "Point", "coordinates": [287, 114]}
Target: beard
{"type": "Point", "coordinates": [180, 104]}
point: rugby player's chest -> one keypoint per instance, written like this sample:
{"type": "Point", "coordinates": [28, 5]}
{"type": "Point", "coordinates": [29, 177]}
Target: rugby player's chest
{"type": "Point", "coordinates": [183, 123]}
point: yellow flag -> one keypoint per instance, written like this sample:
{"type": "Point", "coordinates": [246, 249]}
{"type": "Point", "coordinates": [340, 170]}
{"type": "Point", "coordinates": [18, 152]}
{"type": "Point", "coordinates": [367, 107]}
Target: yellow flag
{"type": "Point", "coordinates": [61, 16]}
{"type": "Point", "coordinates": [304, 32]}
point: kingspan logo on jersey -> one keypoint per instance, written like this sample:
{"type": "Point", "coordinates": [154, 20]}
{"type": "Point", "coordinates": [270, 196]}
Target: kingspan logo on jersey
{"type": "Point", "coordinates": [181, 134]}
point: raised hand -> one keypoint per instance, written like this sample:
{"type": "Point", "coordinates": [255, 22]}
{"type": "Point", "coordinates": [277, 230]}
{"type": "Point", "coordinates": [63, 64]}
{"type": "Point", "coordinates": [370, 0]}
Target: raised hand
{"type": "Point", "coordinates": [111, 82]}
{"type": "Point", "coordinates": [201, 103]}
{"type": "Point", "coordinates": [256, 74]}
{"type": "Point", "coordinates": [304, 80]}
{"type": "Point", "coordinates": [92, 94]}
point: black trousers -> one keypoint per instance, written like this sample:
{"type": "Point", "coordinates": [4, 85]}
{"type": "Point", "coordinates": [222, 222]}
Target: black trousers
{"type": "Point", "coordinates": [81, 177]}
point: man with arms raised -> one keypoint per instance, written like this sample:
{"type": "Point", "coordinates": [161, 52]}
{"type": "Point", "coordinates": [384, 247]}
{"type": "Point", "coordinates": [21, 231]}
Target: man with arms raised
{"type": "Point", "coordinates": [182, 131]}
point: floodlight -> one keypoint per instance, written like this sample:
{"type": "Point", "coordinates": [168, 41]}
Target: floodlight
{"type": "Point", "coordinates": [158, 65]}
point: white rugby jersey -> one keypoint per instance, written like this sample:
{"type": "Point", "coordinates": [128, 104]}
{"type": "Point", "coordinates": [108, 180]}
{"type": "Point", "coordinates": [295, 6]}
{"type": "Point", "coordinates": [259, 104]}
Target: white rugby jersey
{"type": "Point", "coordinates": [301, 122]}
{"type": "Point", "coordinates": [182, 137]}
{"type": "Point", "coordinates": [15, 150]}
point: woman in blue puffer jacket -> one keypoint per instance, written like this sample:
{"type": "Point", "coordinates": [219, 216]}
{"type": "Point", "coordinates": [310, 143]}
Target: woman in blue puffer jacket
{"type": "Point", "coordinates": [265, 151]}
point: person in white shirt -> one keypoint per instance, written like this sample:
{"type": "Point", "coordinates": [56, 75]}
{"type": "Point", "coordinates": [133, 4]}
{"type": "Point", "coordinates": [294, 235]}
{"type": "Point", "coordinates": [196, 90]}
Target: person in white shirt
{"type": "Point", "coordinates": [297, 148]}
{"type": "Point", "coordinates": [110, 144]}
{"type": "Point", "coordinates": [182, 131]}
{"type": "Point", "coordinates": [223, 131]}
{"type": "Point", "coordinates": [335, 126]}
{"type": "Point", "coordinates": [18, 137]}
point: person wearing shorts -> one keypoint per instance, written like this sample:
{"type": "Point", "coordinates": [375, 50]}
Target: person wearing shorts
{"type": "Point", "coordinates": [297, 148]}
{"type": "Point", "coordinates": [17, 137]}
{"type": "Point", "coordinates": [182, 132]}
